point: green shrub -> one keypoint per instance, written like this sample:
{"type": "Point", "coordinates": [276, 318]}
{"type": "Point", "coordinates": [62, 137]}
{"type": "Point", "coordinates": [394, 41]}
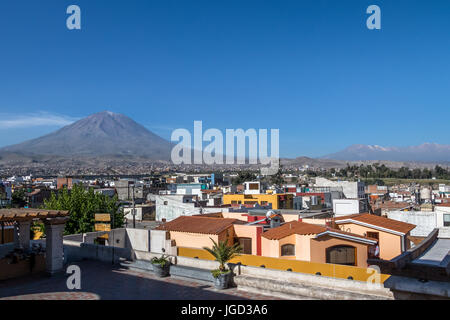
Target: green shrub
{"type": "Point", "coordinates": [162, 261]}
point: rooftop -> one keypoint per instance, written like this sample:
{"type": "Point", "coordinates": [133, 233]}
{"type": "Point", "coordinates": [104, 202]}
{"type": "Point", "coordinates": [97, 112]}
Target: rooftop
{"type": "Point", "coordinates": [377, 221]}
{"type": "Point", "coordinates": [302, 228]}
{"type": "Point", "coordinates": [30, 214]}
{"type": "Point", "coordinates": [197, 224]}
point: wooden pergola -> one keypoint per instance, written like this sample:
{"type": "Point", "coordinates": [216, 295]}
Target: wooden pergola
{"type": "Point", "coordinates": [18, 215]}
{"type": "Point", "coordinates": [54, 221]}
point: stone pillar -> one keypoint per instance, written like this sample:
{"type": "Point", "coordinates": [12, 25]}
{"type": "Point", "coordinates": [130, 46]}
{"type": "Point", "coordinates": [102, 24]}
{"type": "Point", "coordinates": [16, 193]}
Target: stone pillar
{"type": "Point", "coordinates": [54, 251]}
{"type": "Point", "coordinates": [24, 235]}
{"type": "Point", "coordinates": [16, 236]}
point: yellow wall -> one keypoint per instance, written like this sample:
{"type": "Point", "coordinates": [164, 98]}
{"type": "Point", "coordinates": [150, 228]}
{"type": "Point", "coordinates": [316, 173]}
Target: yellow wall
{"type": "Point", "coordinates": [328, 270]}
{"type": "Point", "coordinates": [390, 244]}
{"type": "Point", "coordinates": [259, 198]}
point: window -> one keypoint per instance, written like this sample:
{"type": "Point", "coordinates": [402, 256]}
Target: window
{"type": "Point", "coordinates": [446, 220]}
{"type": "Point", "coordinates": [288, 250]}
{"type": "Point", "coordinates": [374, 235]}
{"type": "Point", "coordinates": [342, 254]}
{"type": "Point", "coordinates": [253, 186]}
{"type": "Point", "coordinates": [246, 244]}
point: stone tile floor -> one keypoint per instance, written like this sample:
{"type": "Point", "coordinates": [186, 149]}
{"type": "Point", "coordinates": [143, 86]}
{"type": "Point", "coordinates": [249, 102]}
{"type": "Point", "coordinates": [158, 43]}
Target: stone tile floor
{"type": "Point", "coordinates": [103, 281]}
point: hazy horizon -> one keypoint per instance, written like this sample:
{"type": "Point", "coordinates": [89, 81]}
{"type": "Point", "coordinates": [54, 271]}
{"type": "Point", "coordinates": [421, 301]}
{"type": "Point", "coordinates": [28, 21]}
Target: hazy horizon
{"type": "Point", "coordinates": [309, 68]}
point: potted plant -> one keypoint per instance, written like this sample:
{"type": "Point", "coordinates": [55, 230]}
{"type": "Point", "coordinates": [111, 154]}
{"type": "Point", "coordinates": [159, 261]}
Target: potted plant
{"type": "Point", "coordinates": [223, 253]}
{"type": "Point", "coordinates": [161, 266]}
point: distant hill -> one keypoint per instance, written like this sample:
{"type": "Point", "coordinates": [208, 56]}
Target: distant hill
{"type": "Point", "coordinates": [427, 152]}
{"type": "Point", "coordinates": [101, 134]}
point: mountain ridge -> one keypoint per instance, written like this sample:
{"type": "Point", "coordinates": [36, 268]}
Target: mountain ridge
{"type": "Point", "coordinates": [100, 134]}
{"type": "Point", "coordinates": [425, 152]}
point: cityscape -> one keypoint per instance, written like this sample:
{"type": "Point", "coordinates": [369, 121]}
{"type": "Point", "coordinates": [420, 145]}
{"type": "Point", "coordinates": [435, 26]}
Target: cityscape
{"type": "Point", "coordinates": [193, 159]}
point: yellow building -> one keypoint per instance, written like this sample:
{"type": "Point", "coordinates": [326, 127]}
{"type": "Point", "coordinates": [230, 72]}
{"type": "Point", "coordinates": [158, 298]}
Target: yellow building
{"type": "Point", "coordinates": [278, 201]}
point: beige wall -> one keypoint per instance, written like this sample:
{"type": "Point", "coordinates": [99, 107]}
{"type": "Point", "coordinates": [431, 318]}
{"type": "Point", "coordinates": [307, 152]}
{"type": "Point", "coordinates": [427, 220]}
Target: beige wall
{"type": "Point", "coordinates": [303, 247]}
{"type": "Point", "coordinates": [390, 244]}
{"type": "Point", "coordinates": [321, 222]}
{"type": "Point", "coordinates": [243, 231]}
{"type": "Point", "coordinates": [290, 217]}
{"type": "Point", "coordinates": [272, 248]}
{"type": "Point", "coordinates": [309, 249]}
{"type": "Point", "coordinates": [193, 240]}
{"type": "Point", "coordinates": [235, 215]}
{"type": "Point", "coordinates": [319, 247]}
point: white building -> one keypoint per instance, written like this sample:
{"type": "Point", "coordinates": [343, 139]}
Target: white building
{"type": "Point", "coordinates": [343, 207]}
{"type": "Point", "coordinates": [253, 187]}
{"type": "Point", "coordinates": [351, 190]}
{"type": "Point", "coordinates": [426, 221]}
{"type": "Point", "coordinates": [170, 207]}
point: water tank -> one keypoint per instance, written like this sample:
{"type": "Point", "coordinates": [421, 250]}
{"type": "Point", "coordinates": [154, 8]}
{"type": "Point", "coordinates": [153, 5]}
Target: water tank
{"type": "Point", "coordinates": [425, 194]}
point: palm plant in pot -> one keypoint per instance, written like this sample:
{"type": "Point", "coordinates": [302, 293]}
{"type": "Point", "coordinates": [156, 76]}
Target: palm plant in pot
{"type": "Point", "coordinates": [161, 266]}
{"type": "Point", "coordinates": [223, 253]}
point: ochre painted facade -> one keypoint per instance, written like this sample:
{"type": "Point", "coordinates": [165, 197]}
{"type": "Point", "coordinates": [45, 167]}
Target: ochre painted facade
{"type": "Point", "coordinates": [390, 244]}
{"type": "Point", "coordinates": [278, 201]}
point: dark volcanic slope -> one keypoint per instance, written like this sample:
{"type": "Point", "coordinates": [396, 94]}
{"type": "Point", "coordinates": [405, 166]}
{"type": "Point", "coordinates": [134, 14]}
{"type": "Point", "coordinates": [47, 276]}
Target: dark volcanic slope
{"type": "Point", "coordinates": [104, 133]}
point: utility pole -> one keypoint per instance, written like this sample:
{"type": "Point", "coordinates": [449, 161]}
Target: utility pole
{"type": "Point", "coordinates": [134, 210]}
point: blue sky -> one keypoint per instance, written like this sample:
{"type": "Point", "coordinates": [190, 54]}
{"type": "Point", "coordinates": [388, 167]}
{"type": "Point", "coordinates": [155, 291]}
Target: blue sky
{"type": "Point", "coordinates": [310, 68]}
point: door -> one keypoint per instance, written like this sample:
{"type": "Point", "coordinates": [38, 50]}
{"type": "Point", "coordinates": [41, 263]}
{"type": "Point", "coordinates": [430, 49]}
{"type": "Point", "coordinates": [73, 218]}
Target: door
{"type": "Point", "coordinates": [246, 244]}
{"type": "Point", "coordinates": [345, 255]}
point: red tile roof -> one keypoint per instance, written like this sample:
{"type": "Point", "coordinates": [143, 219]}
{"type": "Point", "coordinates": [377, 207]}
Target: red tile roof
{"type": "Point", "coordinates": [302, 228]}
{"type": "Point", "coordinates": [378, 221]}
{"type": "Point", "coordinates": [447, 204]}
{"type": "Point", "coordinates": [197, 224]}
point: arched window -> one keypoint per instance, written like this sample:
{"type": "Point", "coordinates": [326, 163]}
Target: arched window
{"type": "Point", "coordinates": [342, 255]}
{"type": "Point", "coordinates": [288, 250]}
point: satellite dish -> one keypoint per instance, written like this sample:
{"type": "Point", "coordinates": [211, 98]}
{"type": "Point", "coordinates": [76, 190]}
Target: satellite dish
{"type": "Point", "coordinates": [270, 213]}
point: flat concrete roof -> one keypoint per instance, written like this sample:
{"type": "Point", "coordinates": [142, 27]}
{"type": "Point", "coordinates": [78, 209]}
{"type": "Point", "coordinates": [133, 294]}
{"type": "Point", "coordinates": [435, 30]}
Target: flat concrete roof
{"type": "Point", "coordinates": [436, 254]}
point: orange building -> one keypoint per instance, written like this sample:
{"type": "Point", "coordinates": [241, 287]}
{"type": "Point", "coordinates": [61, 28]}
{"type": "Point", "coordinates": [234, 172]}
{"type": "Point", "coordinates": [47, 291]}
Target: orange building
{"type": "Point", "coordinates": [392, 235]}
{"type": "Point", "coordinates": [293, 240]}
{"type": "Point", "coordinates": [315, 243]}
{"type": "Point", "coordinates": [277, 200]}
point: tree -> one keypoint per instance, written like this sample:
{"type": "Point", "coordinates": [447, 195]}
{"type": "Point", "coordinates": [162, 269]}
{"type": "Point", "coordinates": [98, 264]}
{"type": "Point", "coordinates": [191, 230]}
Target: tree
{"type": "Point", "coordinates": [223, 252]}
{"type": "Point", "coordinates": [82, 205]}
{"type": "Point", "coordinates": [244, 176]}
{"type": "Point", "coordinates": [277, 178]}
{"type": "Point", "coordinates": [19, 199]}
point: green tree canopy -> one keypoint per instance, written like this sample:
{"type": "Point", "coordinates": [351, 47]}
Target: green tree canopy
{"type": "Point", "coordinates": [244, 176]}
{"type": "Point", "coordinates": [83, 204]}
